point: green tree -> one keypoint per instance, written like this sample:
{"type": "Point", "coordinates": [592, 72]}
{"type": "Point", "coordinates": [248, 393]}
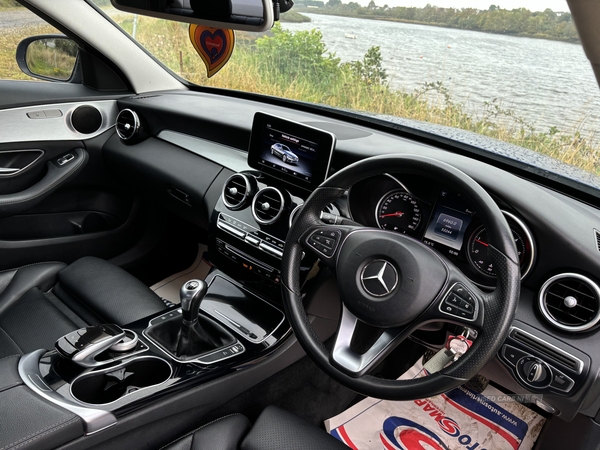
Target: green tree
{"type": "Point", "coordinates": [290, 56]}
{"type": "Point", "coordinates": [370, 70]}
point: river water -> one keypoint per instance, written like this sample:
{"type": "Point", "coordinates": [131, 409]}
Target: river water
{"type": "Point", "coordinates": [548, 83]}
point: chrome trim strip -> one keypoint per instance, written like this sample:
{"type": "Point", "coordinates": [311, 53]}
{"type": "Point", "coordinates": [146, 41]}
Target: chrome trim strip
{"type": "Point", "coordinates": [17, 126]}
{"type": "Point", "coordinates": [342, 352]}
{"type": "Point", "coordinates": [232, 158]}
{"type": "Point", "coordinates": [579, 362]}
{"type": "Point", "coordinates": [546, 313]}
{"type": "Point", "coordinates": [94, 419]}
{"type": "Point", "coordinates": [527, 236]}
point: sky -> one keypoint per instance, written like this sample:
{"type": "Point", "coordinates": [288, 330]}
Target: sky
{"type": "Point", "coordinates": [533, 5]}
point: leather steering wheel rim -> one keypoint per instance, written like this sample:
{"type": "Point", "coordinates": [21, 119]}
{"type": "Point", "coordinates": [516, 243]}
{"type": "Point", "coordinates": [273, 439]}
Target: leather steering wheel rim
{"type": "Point", "coordinates": [498, 307]}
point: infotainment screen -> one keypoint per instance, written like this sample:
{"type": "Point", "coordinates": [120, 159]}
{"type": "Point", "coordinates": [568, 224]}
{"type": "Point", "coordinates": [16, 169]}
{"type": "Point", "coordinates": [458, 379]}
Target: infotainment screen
{"type": "Point", "coordinates": [295, 153]}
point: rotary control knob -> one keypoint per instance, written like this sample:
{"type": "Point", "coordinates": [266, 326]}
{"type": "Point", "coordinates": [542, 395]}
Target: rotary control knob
{"type": "Point", "coordinates": [534, 372]}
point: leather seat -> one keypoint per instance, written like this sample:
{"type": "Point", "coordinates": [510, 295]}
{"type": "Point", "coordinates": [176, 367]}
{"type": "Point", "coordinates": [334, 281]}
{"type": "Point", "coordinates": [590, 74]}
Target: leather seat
{"type": "Point", "coordinates": [39, 303]}
{"type": "Point", "coordinates": [275, 429]}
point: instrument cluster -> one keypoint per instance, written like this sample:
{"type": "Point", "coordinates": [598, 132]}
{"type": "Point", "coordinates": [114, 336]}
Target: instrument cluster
{"type": "Point", "coordinates": [438, 217]}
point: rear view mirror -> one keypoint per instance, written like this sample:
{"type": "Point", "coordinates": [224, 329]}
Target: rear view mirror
{"type": "Point", "coordinates": [247, 15]}
{"type": "Point", "coordinates": [49, 57]}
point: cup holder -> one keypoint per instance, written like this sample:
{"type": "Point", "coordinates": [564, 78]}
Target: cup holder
{"type": "Point", "coordinates": [111, 384]}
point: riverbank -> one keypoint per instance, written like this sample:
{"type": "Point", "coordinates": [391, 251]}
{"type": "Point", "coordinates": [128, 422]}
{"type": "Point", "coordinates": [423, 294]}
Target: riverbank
{"type": "Point", "coordinates": [478, 20]}
{"type": "Point", "coordinates": [293, 17]}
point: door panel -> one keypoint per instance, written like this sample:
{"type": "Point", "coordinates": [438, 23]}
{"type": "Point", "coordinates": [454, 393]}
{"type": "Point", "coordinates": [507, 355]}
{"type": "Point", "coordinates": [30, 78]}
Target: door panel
{"type": "Point", "coordinates": [47, 213]}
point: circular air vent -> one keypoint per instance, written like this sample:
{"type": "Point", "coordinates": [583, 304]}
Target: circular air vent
{"type": "Point", "coordinates": [570, 302]}
{"type": "Point", "coordinates": [128, 124]}
{"type": "Point", "coordinates": [268, 205]}
{"type": "Point", "coordinates": [236, 191]}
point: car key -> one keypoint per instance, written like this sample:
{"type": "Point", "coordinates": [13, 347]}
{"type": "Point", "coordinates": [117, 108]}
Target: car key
{"type": "Point", "coordinates": [458, 345]}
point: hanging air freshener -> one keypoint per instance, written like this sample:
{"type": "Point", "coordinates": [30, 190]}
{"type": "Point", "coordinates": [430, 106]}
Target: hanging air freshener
{"type": "Point", "coordinates": [214, 45]}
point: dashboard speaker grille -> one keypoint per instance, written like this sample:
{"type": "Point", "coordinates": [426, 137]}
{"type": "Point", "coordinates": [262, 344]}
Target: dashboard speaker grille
{"type": "Point", "coordinates": [268, 205]}
{"type": "Point", "coordinates": [236, 191]}
{"type": "Point", "coordinates": [571, 302]}
{"type": "Point", "coordinates": [127, 124]}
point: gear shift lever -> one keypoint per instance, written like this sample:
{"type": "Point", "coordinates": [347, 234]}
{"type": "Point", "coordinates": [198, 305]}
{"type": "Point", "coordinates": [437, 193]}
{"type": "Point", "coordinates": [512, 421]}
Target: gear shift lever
{"type": "Point", "coordinates": [191, 294]}
{"type": "Point", "coordinates": [192, 334]}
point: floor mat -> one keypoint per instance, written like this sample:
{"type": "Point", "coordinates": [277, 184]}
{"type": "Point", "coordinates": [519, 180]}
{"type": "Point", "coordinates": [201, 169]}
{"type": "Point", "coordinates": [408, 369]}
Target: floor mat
{"type": "Point", "coordinates": [460, 419]}
{"type": "Point", "coordinates": [168, 288]}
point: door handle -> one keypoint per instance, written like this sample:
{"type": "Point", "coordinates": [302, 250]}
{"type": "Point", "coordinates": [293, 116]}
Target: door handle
{"type": "Point", "coordinates": [8, 170]}
{"type": "Point", "coordinates": [11, 204]}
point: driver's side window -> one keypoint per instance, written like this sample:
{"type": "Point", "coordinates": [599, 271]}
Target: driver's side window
{"type": "Point", "coordinates": [16, 24]}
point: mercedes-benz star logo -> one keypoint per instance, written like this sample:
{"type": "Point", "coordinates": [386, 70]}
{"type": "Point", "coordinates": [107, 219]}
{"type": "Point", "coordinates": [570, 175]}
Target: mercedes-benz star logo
{"type": "Point", "coordinates": [379, 278]}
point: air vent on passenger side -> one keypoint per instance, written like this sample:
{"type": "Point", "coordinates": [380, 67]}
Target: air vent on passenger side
{"type": "Point", "coordinates": [570, 302]}
{"type": "Point", "coordinates": [127, 124]}
{"type": "Point", "coordinates": [268, 205]}
{"type": "Point", "coordinates": [236, 190]}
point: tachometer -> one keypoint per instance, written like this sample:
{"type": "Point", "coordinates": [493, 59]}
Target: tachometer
{"type": "Point", "coordinates": [398, 211]}
{"type": "Point", "coordinates": [477, 247]}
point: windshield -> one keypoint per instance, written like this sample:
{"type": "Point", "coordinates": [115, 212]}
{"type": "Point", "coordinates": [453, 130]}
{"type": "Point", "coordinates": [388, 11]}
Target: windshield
{"type": "Point", "coordinates": [515, 74]}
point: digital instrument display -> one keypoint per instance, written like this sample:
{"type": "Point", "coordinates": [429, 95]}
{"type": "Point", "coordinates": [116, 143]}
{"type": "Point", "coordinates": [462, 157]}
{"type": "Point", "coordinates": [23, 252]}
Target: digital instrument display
{"type": "Point", "coordinates": [449, 222]}
{"type": "Point", "coordinates": [293, 152]}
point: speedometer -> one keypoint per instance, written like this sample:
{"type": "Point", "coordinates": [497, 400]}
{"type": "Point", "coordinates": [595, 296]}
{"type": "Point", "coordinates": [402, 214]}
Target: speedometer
{"type": "Point", "coordinates": [398, 211]}
{"type": "Point", "coordinates": [477, 247]}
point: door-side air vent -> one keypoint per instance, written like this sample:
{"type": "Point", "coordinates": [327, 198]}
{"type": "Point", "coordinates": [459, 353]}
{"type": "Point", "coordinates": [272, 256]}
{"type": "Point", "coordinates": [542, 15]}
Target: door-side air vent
{"type": "Point", "coordinates": [128, 124]}
{"type": "Point", "coordinates": [597, 235]}
{"type": "Point", "coordinates": [268, 205]}
{"type": "Point", "coordinates": [570, 302]}
{"type": "Point", "coordinates": [236, 190]}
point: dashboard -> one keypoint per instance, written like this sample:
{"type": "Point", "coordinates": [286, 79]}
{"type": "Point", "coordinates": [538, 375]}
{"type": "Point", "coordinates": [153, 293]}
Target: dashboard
{"type": "Point", "coordinates": [440, 218]}
{"type": "Point", "coordinates": [198, 166]}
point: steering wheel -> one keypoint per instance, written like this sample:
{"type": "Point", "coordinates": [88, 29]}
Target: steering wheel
{"type": "Point", "coordinates": [396, 284]}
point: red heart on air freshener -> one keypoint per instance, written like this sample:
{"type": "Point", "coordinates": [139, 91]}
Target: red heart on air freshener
{"type": "Point", "coordinates": [213, 44]}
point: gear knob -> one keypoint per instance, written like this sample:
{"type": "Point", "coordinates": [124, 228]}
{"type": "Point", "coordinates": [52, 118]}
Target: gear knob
{"type": "Point", "coordinates": [191, 294]}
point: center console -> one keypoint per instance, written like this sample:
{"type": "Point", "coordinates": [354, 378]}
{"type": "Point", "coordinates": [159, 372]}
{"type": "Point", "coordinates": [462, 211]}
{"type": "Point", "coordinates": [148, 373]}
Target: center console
{"type": "Point", "coordinates": [225, 323]}
{"type": "Point", "coordinates": [251, 219]}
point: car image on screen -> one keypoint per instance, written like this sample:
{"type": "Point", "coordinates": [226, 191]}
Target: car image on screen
{"type": "Point", "coordinates": [284, 152]}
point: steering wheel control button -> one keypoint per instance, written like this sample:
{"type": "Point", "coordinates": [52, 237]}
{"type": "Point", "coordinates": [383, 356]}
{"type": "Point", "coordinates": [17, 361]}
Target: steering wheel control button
{"type": "Point", "coordinates": [325, 241]}
{"type": "Point", "coordinates": [459, 302]}
{"type": "Point", "coordinates": [534, 372]}
{"type": "Point", "coordinates": [379, 278]}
